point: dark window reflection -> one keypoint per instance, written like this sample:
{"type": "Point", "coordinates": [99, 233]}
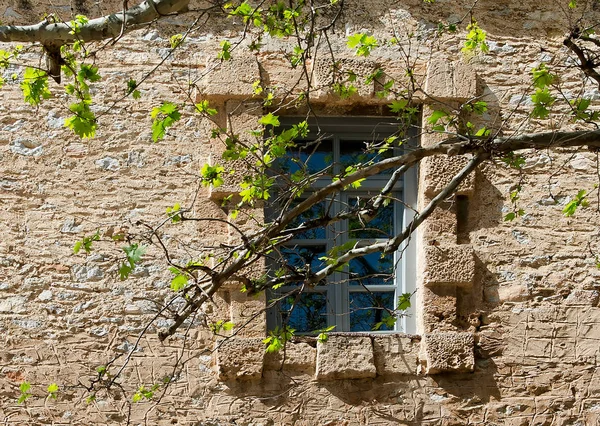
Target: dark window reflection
{"type": "Point", "coordinates": [381, 226]}
{"type": "Point", "coordinates": [317, 211]}
{"type": "Point", "coordinates": [309, 314]}
{"type": "Point", "coordinates": [372, 269]}
{"type": "Point", "coordinates": [303, 258]}
{"type": "Point", "coordinates": [356, 152]}
{"type": "Point", "coordinates": [314, 156]}
{"type": "Point", "coordinates": [366, 310]}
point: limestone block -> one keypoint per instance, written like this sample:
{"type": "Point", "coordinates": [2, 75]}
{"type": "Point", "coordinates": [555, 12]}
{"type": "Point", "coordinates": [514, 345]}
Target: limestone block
{"type": "Point", "coordinates": [240, 358]}
{"type": "Point", "coordinates": [450, 80]}
{"type": "Point", "coordinates": [440, 226]}
{"type": "Point", "coordinates": [345, 357]}
{"type": "Point", "coordinates": [582, 297]}
{"type": "Point", "coordinates": [449, 265]}
{"type": "Point", "coordinates": [437, 172]}
{"type": "Point", "coordinates": [248, 309]}
{"type": "Point", "coordinates": [439, 308]}
{"type": "Point", "coordinates": [327, 72]}
{"type": "Point", "coordinates": [231, 79]}
{"type": "Point", "coordinates": [242, 118]}
{"type": "Point", "coordinates": [395, 354]}
{"type": "Point", "coordinates": [299, 357]}
{"type": "Point", "coordinates": [448, 352]}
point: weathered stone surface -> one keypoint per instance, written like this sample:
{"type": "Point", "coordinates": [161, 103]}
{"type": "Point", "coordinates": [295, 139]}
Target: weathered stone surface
{"type": "Point", "coordinates": [453, 80]}
{"type": "Point", "coordinates": [240, 358]}
{"type": "Point", "coordinates": [583, 298]}
{"type": "Point", "coordinates": [231, 79]}
{"type": "Point", "coordinates": [299, 357]}
{"type": "Point", "coordinates": [345, 357]}
{"type": "Point", "coordinates": [449, 265]}
{"type": "Point", "coordinates": [242, 118]}
{"type": "Point", "coordinates": [248, 309]}
{"type": "Point", "coordinates": [395, 354]}
{"type": "Point", "coordinates": [326, 72]}
{"type": "Point", "coordinates": [448, 352]}
{"type": "Point", "coordinates": [437, 172]}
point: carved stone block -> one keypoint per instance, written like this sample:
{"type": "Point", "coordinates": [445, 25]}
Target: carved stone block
{"type": "Point", "coordinates": [345, 357]}
{"type": "Point", "coordinates": [240, 358]}
{"type": "Point", "coordinates": [395, 354]}
{"type": "Point", "coordinates": [450, 80]}
{"type": "Point", "coordinates": [448, 352]}
{"type": "Point", "coordinates": [449, 265]}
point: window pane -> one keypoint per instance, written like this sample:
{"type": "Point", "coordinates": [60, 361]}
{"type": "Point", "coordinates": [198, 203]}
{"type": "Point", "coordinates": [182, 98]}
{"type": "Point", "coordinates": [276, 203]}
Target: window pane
{"type": "Point", "coordinates": [317, 211]}
{"type": "Point", "coordinates": [381, 226]}
{"type": "Point", "coordinates": [303, 257]}
{"type": "Point", "coordinates": [366, 310]}
{"type": "Point", "coordinates": [316, 156]}
{"type": "Point", "coordinates": [354, 152]}
{"type": "Point", "coordinates": [372, 269]}
{"type": "Point", "coordinates": [309, 314]}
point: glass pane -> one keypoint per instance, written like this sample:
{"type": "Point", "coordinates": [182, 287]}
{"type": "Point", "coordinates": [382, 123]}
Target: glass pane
{"type": "Point", "coordinates": [309, 314]}
{"type": "Point", "coordinates": [317, 211]}
{"type": "Point", "coordinates": [315, 156]}
{"type": "Point", "coordinates": [366, 310]}
{"type": "Point", "coordinates": [381, 226]}
{"type": "Point", "coordinates": [354, 152]}
{"type": "Point", "coordinates": [372, 269]}
{"type": "Point", "coordinates": [300, 258]}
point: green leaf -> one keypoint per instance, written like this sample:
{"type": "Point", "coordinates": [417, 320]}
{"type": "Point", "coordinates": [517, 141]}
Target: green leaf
{"type": "Point", "coordinates": [164, 117]}
{"type": "Point", "coordinates": [203, 107]}
{"type": "Point", "coordinates": [176, 40]}
{"type": "Point", "coordinates": [179, 282]}
{"type": "Point", "coordinates": [77, 247]}
{"type": "Point", "coordinates": [35, 86]}
{"type": "Point", "coordinates": [124, 271]}
{"type": "Point", "coordinates": [475, 39]}
{"type": "Point", "coordinates": [52, 390]}
{"type": "Point", "coordinates": [83, 123]}
{"type": "Point", "coordinates": [541, 77]}
{"type": "Point", "coordinates": [134, 253]}
{"type": "Point", "coordinates": [225, 53]}
{"type": "Point", "coordinates": [269, 120]}
{"type": "Point", "coordinates": [212, 175]}
{"type": "Point", "coordinates": [436, 116]}
{"type": "Point", "coordinates": [362, 43]}
{"type": "Point", "coordinates": [398, 106]}
{"type": "Point", "coordinates": [542, 100]}
{"type": "Point", "coordinates": [404, 301]}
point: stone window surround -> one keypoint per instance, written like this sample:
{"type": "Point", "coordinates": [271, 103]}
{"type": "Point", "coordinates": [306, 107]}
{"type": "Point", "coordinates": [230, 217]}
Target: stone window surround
{"type": "Point", "coordinates": [447, 265]}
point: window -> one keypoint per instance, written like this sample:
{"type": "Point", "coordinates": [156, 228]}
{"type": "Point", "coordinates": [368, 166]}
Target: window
{"type": "Point", "coordinates": [353, 298]}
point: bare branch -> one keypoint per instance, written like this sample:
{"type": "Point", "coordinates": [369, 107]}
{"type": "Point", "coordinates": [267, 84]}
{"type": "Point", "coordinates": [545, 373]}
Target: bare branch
{"type": "Point", "coordinates": [110, 26]}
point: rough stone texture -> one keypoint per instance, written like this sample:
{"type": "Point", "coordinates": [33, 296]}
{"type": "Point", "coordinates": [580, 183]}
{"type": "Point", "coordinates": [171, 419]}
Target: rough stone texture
{"type": "Point", "coordinates": [448, 352]}
{"type": "Point", "coordinates": [448, 265]}
{"type": "Point", "coordinates": [395, 354]}
{"type": "Point", "coordinates": [231, 79]}
{"type": "Point", "coordinates": [453, 80]}
{"type": "Point", "coordinates": [535, 284]}
{"type": "Point", "coordinates": [298, 357]}
{"type": "Point", "coordinates": [328, 72]}
{"type": "Point", "coordinates": [437, 172]}
{"type": "Point", "coordinates": [241, 119]}
{"type": "Point", "coordinates": [240, 358]}
{"type": "Point", "coordinates": [345, 357]}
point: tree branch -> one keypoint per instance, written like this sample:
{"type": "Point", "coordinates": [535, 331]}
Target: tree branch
{"type": "Point", "coordinates": [110, 26]}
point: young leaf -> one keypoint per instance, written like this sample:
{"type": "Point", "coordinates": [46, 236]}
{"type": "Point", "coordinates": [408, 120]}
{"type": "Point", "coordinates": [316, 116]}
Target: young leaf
{"type": "Point", "coordinates": [269, 120]}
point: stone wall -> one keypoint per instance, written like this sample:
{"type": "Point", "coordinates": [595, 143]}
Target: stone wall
{"type": "Point", "coordinates": [508, 312]}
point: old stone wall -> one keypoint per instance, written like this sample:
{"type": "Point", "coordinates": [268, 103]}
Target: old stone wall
{"type": "Point", "coordinates": [509, 323]}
